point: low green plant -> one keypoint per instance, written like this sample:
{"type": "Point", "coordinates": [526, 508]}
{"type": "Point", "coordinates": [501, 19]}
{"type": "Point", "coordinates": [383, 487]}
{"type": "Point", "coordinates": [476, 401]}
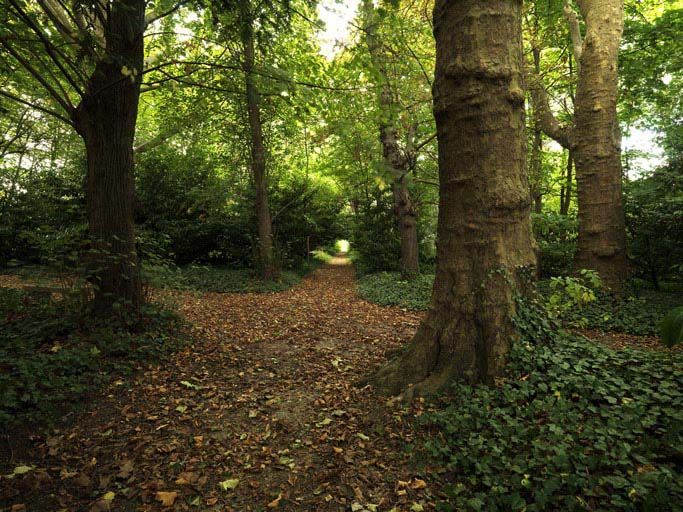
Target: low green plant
{"type": "Point", "coordinates": [50, 355]}
{"type": "Point", "coordinates": [321, 255]}
{"type": "Point", "coordinates": [571, 295]}
{"type": "Point", "coordinates": [390, 289]}
{"type": "Point", "coordinates": [671, 328]}
{"type": "Point", "coordinates": [573, 426]}
{"type": "Point", "coordinates": [219, 279]}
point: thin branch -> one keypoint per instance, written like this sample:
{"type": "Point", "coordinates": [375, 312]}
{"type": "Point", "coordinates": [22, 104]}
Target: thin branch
{"type": "Point", "coordinates": [36, 106]}
{"type": "Point", "coordinates": [63, 102]}
{"type": "Point", "coordinates": [575, 33]}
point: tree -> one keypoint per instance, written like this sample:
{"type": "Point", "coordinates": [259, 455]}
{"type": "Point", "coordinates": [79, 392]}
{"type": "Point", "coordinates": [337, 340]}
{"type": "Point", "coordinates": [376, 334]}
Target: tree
{"type": "Point", "coordinates": [88, 60]}
{"type": "Point", "coordinates": [484, 232]}
{"type": "Point", "coordinates": [594, 138]}
{"type": "Point", "coordinates": [398, 161]}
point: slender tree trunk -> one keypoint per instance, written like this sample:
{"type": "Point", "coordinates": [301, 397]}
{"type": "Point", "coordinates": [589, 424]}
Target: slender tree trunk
{"type": "Point", "coordinates": [266, 262]}
{"type": "Point", "coordinates": [106, 119]}
{"type": "Point", "coordinates": [597, 145]}
{"type": "Point", "coordinates": [395, 160]}
{"type": "Point", "coordinates": [537, 147]}
{"type": "Point", "coordinates": [566, 197]}
{"type": "Point", "coordinates": [407, 222]}
{"type": "Point", "coordinates": [484, 232]}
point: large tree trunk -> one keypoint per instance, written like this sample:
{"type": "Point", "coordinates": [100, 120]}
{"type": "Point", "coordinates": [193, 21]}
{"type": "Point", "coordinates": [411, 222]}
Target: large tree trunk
{"type": "Point", "coordinates": [597, 145]}
{"type": "Point", "coordinates": [266, 261]}
{"type": "Point", "coordinates": [484, 232]}
{"type": "Point", "coordinates": [106, 119]}
{"type": "Point", "coordinates": [594, 139]}
{"type": "Point", "coordinates": [397, 161]}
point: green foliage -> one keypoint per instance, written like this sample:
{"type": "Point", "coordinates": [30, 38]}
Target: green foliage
{"type": "Point", "coordinates": [569, 295]}
{"type": "Point", "coordinates": [573, 426]}
{"type": "Point", "coordinates": [50, 355]}
{"type": "Point", "coordinates": [654, 215]}
{"type": "Point", "coordinates": [671, 328]}
{"type": "Point", "coordinates": [219, 279]}
{"type": "Point", "coordinates": [556, 237]}
{"type": "Point", "coordinates": [636, 311]}
{"type": "Point", "coordinates": [389, 289]}
{"type": "Point", "coordinates": [321, 255]}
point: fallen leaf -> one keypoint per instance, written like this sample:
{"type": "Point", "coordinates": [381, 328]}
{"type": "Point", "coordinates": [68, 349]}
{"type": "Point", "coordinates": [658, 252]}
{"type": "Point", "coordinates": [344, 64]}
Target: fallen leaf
{"type": "Point", "coordinates": [167, 499]}
{"type": "Point", "coordinates": [276, 502]}
{"type": "Point", "coordinates": [125, 469]}
{"type": "Point", "coordinates": [231, 483]}
{"type": "Point", "coordinates": [418, 484]}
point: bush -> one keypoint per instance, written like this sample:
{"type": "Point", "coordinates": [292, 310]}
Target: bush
{"type": "Point", "coordinates": [556, 237]}
{"type": "Point", "coordinates": [671, 328]}
{"type": "Point", "coordinates": [569, 295]}
{"type": "Point", "coordinates": [573, 426]}
{"type": "Point", "coordinates": [654, 215]}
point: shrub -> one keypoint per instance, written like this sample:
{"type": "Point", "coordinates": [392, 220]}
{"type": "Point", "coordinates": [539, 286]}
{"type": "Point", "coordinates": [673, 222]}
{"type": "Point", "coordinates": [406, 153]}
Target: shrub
{"type": "Point", "coordinates": [556, 237]}
{"type": "Point", "coordinates": [569, 296]}
{"type": "Point", "coordinates": [671, 328]}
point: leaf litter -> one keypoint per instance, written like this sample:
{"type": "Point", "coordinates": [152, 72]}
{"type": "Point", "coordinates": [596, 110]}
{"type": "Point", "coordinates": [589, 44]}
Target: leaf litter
{"type": "Point", "coordinates": [259, 412]}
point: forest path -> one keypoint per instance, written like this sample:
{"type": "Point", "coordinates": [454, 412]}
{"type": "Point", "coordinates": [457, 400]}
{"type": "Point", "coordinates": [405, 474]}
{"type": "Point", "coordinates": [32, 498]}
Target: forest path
{"type": "Point", "coordinates": [264, 396]}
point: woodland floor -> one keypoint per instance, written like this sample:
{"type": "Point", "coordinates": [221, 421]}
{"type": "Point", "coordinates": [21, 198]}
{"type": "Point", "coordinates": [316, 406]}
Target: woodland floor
{"type": "Point", "coordinates": [260, 412]}
{"type": "Point", "coordinates": [264, 396]}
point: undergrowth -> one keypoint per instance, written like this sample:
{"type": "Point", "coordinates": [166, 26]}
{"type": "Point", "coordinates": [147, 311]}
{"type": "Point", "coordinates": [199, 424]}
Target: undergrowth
{"type": "Point", "coordinates": [220, 279]}
{"type": "Point", "coordinates": [637, 311]}
{"type": "Point", "coordinates": [51, 353]}
{"type": "Point", "coordinates": [573, 426]}
{"type": "Point", "coordinates": [390, 289]}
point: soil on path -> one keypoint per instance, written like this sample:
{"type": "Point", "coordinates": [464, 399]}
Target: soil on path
{"type": "Point", "coordinates": [260, 413]}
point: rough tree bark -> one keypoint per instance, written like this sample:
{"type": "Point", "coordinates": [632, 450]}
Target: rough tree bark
{"type": "Point", "coordinates": [484, 233]}
{"type": "Point", "coordinates": [596, 145]}
{"type": "Point", "coordinates": [105, 119]}
{"type": "Point", "coordinates": [266, 262]}
{"type": "Point", "coordinates": [594, 139]}
{"type": "Point", "coordinates": [398, 161]}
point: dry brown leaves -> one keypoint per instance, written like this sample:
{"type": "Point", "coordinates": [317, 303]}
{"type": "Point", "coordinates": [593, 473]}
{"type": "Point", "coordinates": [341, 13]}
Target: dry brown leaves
{"type": "Point", "coordinates": [261, 412]}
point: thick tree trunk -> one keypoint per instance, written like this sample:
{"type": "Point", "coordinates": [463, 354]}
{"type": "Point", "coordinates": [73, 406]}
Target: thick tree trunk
{"type": "Point", "coordinates": [597, 146]}
{"type": "Point", "coordinates": [106, 119]}
{"type": "Point", "coordinates": [266, 261]}
{"type": "Point", "coordinates": [484, 232]}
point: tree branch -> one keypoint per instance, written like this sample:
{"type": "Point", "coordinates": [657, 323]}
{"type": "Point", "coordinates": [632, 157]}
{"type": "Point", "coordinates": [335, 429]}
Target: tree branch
{"type": "Point", "coordinates": [36, 106]}
{"type": "Point", "coordinates": [544, 115]}
{"type": "Point", "coordinates": [575, 33]}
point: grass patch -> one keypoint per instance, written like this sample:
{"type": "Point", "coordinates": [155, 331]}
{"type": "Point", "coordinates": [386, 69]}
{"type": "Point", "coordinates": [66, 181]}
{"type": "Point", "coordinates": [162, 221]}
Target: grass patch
{"type": "Point", "coordinates": [50, 354]}
{"type": "Point", "coordinates": [573, 426]}
{"type": "Point", "coordinates": [389, 289]}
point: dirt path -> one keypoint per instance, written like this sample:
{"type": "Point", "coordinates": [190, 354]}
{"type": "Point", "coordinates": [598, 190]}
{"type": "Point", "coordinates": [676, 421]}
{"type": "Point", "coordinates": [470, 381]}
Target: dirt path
{"type": "Point", "coordinates": [264, 403]}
